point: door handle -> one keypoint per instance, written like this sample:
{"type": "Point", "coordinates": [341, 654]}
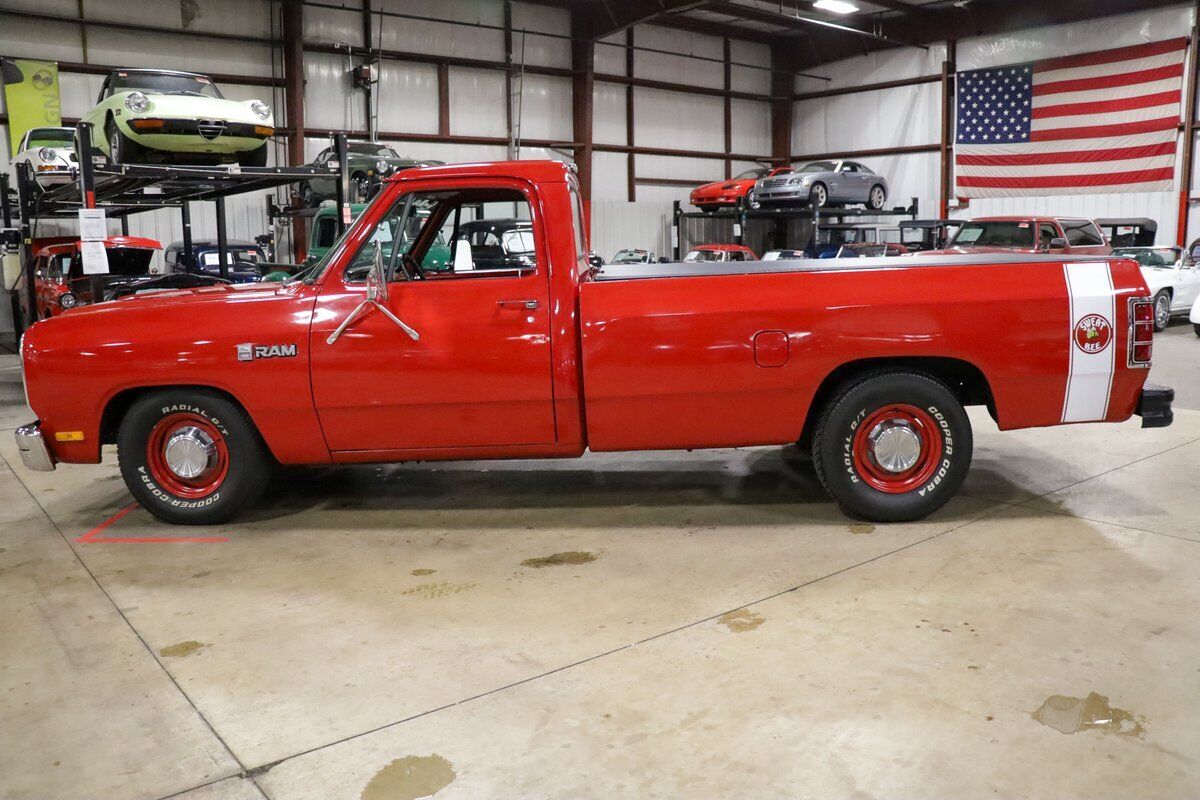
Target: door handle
{"type": "Point", "coordinates": [531, 305]}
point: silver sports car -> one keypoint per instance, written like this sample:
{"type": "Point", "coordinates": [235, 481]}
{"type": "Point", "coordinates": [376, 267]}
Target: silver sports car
{"type": "Point", "coordinates": [821, 183]}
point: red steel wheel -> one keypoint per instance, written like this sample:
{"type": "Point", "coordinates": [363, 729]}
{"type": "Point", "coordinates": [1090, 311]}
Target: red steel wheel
{"type": "Point", "coordinates": [187, 455]}
{"type": "Point", "coordinates": [897, 448]}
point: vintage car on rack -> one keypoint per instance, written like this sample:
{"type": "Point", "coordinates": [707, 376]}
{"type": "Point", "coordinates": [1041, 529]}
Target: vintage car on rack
{"type": "Point", "coordinates": [867, 363]}
{"type": "Point", "coordinates": [633, 256]}
{"type": "Point", "coordinates": [1172, 277]}
{"type": "Point", "coordinates": [243, 264]}
{"type": "Point", "coordinates": [730, 192]}
{"type": "Point", "coordinates": [367, 163]}
{"type": "Point", "coordinates": [719, 252]}
{"type": "Point", "coordinates": [153, 115]}
{"type": "Point", "coordinates": [1056, 235]}
{"type": "Point", "coordinates": [923, 235]}
{"type": "Point", "coordinates": [822, 183]}
{"type": "Point", "coordinates": [50, 154]}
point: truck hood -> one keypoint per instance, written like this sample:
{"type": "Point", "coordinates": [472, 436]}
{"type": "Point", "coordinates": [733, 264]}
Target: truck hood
{"type": "Point", "coordinates": [181, 106]}
{"type": "Point", "coordinates": [221, 293]}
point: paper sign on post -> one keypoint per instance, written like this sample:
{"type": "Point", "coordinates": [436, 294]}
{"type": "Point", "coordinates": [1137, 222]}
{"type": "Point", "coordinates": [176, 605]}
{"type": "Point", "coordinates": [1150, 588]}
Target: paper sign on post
{"type": "Point", "coordinates": [93, 224]}
{"type": "Point", "coordinates": [95, 257]}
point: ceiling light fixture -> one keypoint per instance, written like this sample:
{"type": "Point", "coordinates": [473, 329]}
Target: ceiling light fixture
{"type": "Point", "coordinates": [836, 6]}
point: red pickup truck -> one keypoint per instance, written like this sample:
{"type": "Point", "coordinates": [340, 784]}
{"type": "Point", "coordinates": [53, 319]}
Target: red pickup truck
{"type": "Point", "coordinates": [368, 357]}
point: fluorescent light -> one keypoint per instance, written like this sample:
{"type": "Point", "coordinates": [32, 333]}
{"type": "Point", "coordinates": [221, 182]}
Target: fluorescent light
{"type": "Point", "coordinates": [836, 6]}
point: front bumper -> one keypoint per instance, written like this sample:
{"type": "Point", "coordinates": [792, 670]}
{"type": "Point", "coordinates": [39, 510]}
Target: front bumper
{"type": "Point", "coordinates": [1154, 406]}
{"type": "Point", "coordinates": [782, 194]}
{"type": "Point", "coordinates": [32, 446]}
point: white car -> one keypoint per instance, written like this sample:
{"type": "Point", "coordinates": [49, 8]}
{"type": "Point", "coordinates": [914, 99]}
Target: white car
{"type": "Point", "coordinates": [50, 154]}
{"type": "Point", "coordinates": [1172, 276]}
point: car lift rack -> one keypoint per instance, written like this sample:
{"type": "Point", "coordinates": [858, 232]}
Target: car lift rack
{"type": "Point", "coordinates": [124, 189]}
{"type": "Point", "coordinates": [741, 215]}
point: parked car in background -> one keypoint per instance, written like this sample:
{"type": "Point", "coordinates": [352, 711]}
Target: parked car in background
{"type": "Point", "coordinates": [368, 163]}
{"type": "Point", "coordinates": [720, 252]}
{"type": "Point", "coordinates": [829, 237]}
{"type": "Point", "coordinates": [144, 115]}
{"type": "Point", "coordinates": [822, 183]}
{"type": "Point", "coordinates": [323, 234]}
{"type": "Point", "coordinates": [1056, 235]}
{"type": "Point", "coordinates": [633, 256]}
{"type": "Point", "coordinates": [243, 264]}
{"type": "Point", "coordinates": [717, 194]}
{"type": "Point", "coordinates": [783, 255]}
{"type": "Point", "coordinates": [1172, 276]}
{"type": "Point", "coordinates": [50, 154]}
{"type": "Point", "coordinates": [921, 235]}
{"type": "Point", "coordinates": [871, 250]}
{"type": "Point", "coordinates": [1129, 231]}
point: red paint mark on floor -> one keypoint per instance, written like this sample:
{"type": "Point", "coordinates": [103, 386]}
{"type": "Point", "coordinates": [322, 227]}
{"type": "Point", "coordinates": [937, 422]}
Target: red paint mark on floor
{"type": "Point", "coordinates": [94, 536]}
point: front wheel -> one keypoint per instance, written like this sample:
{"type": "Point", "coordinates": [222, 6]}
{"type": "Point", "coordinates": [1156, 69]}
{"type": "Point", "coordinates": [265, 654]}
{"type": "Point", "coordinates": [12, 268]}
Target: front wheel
{"type": "Point", "coordinates": [876, 198]}
{"type": "Point", "coordinates": [1162, 311]}
{"type": "Point", "coordinates": [893, 446]}
{"type": "Point", "coordinates": [818, 195]}
{"type": "Point", "coordinates": [191, 457]}
{"type": "Point", "coordinates": [121, 149]}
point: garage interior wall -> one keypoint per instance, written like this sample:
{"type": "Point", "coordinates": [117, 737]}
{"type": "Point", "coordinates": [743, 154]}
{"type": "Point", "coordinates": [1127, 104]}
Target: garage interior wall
{"type": "Point", "coordinates": [631, 192]}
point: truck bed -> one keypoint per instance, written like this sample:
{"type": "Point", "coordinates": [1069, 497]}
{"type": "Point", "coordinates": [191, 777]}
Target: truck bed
{"type": "Point", "coordinates": [622, 272]}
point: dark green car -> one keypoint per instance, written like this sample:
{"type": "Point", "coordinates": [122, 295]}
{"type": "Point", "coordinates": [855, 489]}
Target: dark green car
{"type": "Point", "coordinates": [323, 235]}
{"type": "Point", "coordinates": [369, 163]}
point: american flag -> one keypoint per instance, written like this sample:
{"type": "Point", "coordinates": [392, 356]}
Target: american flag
{"type": "Point", "coordinates": [1093, 123]}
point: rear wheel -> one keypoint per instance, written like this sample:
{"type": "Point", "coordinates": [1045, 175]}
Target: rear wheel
{"type": "Point", "coordinates": [1162, 310]}
{"type": "Point", "coordinates": [191, 457]}
{"type": "Point", "coordinates": [818, 195]}
{"type": "Point", "coordinates": [892, 446]}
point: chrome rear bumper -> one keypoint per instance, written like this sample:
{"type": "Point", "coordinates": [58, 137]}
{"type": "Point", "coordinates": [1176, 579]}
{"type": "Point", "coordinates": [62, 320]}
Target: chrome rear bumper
{"type": "Point", "coordinates": [32, 446]}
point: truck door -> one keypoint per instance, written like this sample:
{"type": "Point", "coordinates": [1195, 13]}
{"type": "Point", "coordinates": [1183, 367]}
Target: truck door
{"type": "Point", "coordinates": [478, 372]}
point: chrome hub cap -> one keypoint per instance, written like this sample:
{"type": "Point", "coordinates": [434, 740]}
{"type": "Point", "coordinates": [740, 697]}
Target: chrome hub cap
{"type": "Point", "coordinates": [1163, 312]}
{"type": "Point", "coordinates": [190, 452]}
{"type": "Point", "coordinates": [877, 198]}
{"type": "Point", "coordinates": [895, 445]}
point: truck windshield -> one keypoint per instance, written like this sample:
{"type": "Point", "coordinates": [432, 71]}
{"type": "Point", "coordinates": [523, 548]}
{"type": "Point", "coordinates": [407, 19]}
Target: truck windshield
{"type": "Point", "coordinates": [994, 234]}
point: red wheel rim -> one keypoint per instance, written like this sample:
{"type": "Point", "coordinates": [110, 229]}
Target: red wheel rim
{"type": "Point", "coordinates": [208, 479]}
{"type": "Point", "coordinates": [906, 422]}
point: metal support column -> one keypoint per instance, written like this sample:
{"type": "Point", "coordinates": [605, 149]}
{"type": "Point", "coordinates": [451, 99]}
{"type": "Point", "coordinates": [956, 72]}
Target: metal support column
{"type": "Point", "coordinates": [5, 209]}
{"type": "Point", "coordinates": [185, 216]}
{"type": "Point", "coordinates": [676, 217]}
{"type": "Point", "coordinates": [1189, 134]}
{"type": "Point", "coordinates": [343, 183]}
{"type": "Point", "coordinates": [83, 152]}
{"type": "Point", "coordinates": [293, 91]}
{"type": "Point", "coordinates": [949, 67]}
{"type": "Point", "coordinates": [222, 238]}
{"type": "Point", "coordinates": [25, 194]}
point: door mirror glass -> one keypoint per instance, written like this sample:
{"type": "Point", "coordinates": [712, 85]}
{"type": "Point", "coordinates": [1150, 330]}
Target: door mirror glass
{"type": "Point", "coordinates": [1058, 243]}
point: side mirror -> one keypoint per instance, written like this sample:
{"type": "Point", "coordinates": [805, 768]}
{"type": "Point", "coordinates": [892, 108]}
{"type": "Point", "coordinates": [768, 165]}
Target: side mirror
{"type": "Point", "coordinates": [464, 261]}
{"type": "Point", "coordinates": [1058, 243]}
{"type": "Point", "coordinates": [376, 280]}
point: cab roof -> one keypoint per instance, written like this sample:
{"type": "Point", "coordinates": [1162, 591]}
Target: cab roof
{"type": "Point", "coordinates": [537, 171]}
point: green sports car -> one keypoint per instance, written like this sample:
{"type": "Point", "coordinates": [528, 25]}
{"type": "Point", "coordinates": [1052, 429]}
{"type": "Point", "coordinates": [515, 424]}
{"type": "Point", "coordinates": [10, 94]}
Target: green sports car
{"type": "Point", "coordinates": [145, 115]}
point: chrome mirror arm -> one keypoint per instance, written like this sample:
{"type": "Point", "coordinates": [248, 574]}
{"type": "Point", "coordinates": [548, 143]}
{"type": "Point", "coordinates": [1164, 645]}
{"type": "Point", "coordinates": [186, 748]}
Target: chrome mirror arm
{"type": "Point", "coordinates": [412, 334]}
{"type": "Point", "coordinates": [365, 304]}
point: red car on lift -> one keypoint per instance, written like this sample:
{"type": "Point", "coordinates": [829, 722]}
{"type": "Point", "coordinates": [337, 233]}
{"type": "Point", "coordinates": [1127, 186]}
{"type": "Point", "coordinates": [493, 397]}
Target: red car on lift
{"type": "Point", "coordinates": [720, 252]}
{"type": "Point", "coordinates": [712, 196]}
{"type": "Point", "coordinates": [57, 265]}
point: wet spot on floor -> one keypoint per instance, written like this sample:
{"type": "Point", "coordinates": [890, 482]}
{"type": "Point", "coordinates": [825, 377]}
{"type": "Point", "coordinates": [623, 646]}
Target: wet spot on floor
{"type": "Point", "coordinates": [182, 649]}
{"type": "Point", "coordinates": [742, 620]}
{"type": "Point", "coordinates": [410, 778]}
{"type": "Point", "coordinates": [423, 571]}
{"type": "Point", "coordinates": [861, 528]}
{"type": "Point", "coordinates": [428, 591]}
{"type": "Point", "coordinates": [571, 557]}
{"type": "Point", "coordinates": [1075, 715]}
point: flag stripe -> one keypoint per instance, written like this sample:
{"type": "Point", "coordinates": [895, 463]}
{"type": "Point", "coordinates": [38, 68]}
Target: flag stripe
{"type": "Point", "coordinates": [1108, 81]}
{"type": "Point", "coordinates": [1124, 104]}
{"type": "Point", "coordinates": [1067, 156]}
{"type": "Point", "coordinates": [1112, 118]}
{"type": "Point", "coordinates": [1111, 93]}
{"type": "Point", "coordinates": [1111, 56]}
{"type": "Point", "coordinates": [1100, 131]}
{"type": "Point", "coordinates": [1078, 168]}
{"type": "Point", "coordinates": [1069, 181]}
{"type": "Point", "coordinates": [1117, 188]}
{"type": "Point", "coordinates": [1066, 145]}
{"type": "Point", "coordinates": [1081, 73]}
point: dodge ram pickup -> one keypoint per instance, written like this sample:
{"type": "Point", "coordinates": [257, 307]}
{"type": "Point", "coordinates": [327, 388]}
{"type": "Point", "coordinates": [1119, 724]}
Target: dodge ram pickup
{"type": "Point", "coordinates": [368, 357]}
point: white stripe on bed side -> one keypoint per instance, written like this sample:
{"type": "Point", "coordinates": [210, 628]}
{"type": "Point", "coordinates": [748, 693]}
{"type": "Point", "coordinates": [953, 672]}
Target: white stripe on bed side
{"type": "Point", "coordinates": [1089, 383]}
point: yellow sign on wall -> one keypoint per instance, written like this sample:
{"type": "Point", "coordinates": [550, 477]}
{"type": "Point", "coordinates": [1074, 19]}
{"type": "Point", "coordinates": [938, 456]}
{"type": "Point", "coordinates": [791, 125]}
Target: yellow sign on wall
{"type": "Point", "coordinates": [31, 94]}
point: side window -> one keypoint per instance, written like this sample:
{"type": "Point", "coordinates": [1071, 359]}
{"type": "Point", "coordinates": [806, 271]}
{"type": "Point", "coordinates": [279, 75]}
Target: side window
{"type": "Point", "coordinates": [1046, 232]}
{"type": "Point", "coordinates": [847, 167]}
{"type": "Point", "coordinates": [737, 256]}
{"type": "Point", "coordinates": [577, 220]}
{"type": "Point", "coordinates": [1082, 233]}
{"type": "Point", "coordinates": [453, 234]}
{"type": "Point", "coordinates": [324, 232]}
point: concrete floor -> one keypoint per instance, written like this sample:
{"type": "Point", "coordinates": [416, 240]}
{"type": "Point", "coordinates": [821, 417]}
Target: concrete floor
{"type": "Point", "coordinates": [660, 625]}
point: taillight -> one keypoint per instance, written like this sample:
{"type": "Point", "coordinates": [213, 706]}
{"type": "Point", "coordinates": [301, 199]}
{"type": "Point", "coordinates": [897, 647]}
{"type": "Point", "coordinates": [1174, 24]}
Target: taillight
{"type": "Point", "coordinates": [1141, 331]}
